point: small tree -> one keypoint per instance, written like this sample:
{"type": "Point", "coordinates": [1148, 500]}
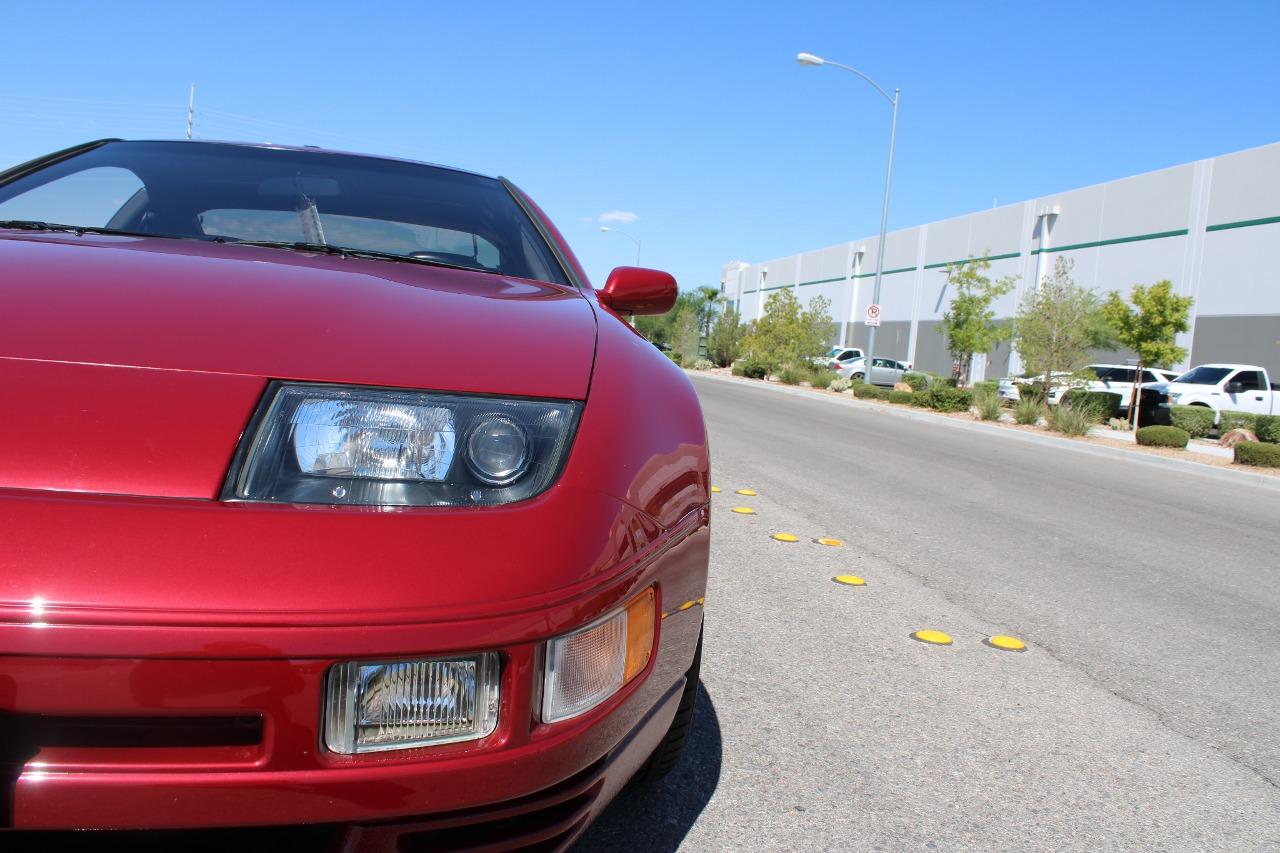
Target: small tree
{"type": "Point", "coordinates": [788, 334]}
{"type": "Point", "coordinates": [709, 298]}
{"type": "Point", "coordinates": [684, 335]}
{"type": "Point", "coordinates": [1057, 324]}
{"type": "Point", "coordinates": [969, 323]}
{"type": "Point", "coordinates": [726, 336]}
{"type": "Point", "coordinates": [1149, 327]}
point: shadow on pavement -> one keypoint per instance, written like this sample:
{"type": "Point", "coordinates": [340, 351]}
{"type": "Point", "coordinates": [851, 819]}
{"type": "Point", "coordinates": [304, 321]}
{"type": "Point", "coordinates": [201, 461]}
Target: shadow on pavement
{"type": "Point", "coordinates": [656, 818]}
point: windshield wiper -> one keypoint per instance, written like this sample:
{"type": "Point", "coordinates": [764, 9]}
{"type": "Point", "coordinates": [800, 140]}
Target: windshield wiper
{"type": "Point", "coordinates": [37, 225]}
{"type": "Point", "coordinates": [348, 252]}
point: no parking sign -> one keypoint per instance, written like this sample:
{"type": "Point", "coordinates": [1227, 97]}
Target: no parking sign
{"type": "Point", "coordinates": [873, 315]}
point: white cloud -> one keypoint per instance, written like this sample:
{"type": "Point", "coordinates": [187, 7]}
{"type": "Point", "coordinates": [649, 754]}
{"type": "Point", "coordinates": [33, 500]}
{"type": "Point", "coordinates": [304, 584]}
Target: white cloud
{"type": "Point", "coordinates": [623, 216]}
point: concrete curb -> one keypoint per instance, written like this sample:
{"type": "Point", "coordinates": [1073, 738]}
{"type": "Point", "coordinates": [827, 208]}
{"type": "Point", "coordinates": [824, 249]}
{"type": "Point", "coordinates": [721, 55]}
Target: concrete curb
{"type": "Point", "coordinates": [1186, 466]}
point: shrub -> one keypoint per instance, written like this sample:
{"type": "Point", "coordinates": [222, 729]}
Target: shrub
{"type": "Point", "coordinates": [702, 364]}
{"type": "Point", "coordinates": [1071, 419]}
{"type": "Point", "coordinates": [822, 378]}
{"type": "Point", "coordinates": [841, 385]}
{"type": "Point", "coordinates": [675, 357]}
{"type": "Point", "coordinates": [989, 405]}
{"type": "Point", "coordinates": [1195, 420]}
{"type": "Point", "coordinates": [1228, 421]}
{"type": "Point", "coordinates": [986, 386]}
{"type": "Point", "coordinates": [1118, 424]}
{"type": "Point", "coordinates": [1267, 428]}
{"type": "Point", "coordinates": [750, 369]}
{"type": "Point", "coordinates": [882, 393]}
{"type": "Point", "coordinates": [1258, 454]}
{"type": "Point", "coordinates": [917, 381]}
{"type": "Point", "coordinates": [791, 375]}
{"type": "Point", "coordinates": [944, 398]}
{"type": "Point", "coordinates": [1104, 404]}
{"type": "Point", "coordinates": [1033, 391]}
{"type": "Point", "coordinates": [901, 397]}
{"type": "Point", "coordinates": [862, 390]}
{"type": "Point", "coordinates": [919, 401]}
{"type": "Point", "coordinates": [1162, 436]}
{"type": "Point", "coordinates": [1027, 411]}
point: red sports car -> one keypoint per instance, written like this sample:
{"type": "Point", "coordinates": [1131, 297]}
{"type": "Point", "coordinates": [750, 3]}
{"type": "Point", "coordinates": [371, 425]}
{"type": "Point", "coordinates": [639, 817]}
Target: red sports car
{"type": "Point", "coordinates": [332, 495]}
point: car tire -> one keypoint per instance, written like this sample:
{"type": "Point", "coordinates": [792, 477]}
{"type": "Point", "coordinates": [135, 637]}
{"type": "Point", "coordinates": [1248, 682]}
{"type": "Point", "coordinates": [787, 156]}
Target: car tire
{"type": "Point", "coordinates": [858, 377]}
{"type": "Point", "coordinates": [668, 752]}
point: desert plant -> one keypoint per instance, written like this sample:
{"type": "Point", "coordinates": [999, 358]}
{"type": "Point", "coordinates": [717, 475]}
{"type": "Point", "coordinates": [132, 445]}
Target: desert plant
{"type": "Point", "coordinates": [821, 378]}
{"type": "Point", "coordinates": [1118, 423]}
{"type": "Point", "coordinates": [1228, 421]}
{"type": "Point", "coordinates": [1162, 436]}
{"type": "Point", "coordinates": [725, 339]}
{"type": "Point", "coordinates": [1103, 404]}
{"type": "Point", "coordinates": [1267, 428]}
{"type": "Point", "coordinates": [882, 393]}
{"type": "Point", "coordinates": [702, 364]}
{"type": "Point", "coordinates": [917, 381]}
{"type": "Point", "coordinates": [750, 369]}
{"type": "Point", "coordinates": [862, 390]}
{"type": "Point", "coordinates": [1197, 421]}
{"type": "Point", "coordinates": [986, 386]}
{"type": "Point", "coordinates": [1258, 454]}
{"type": "Point", "coordinates": [943, 398]}
{"type": "Point", "coordinates": [901, 397]}
{"type": "Point", "coordinates": [1027, 411]}
{"type": "Point", "coordinates": [989, 405]}
{"type": "Point", "coordinates": [1072, 419]}
{"type": "Point", "coordinates": [841, 385]}
{"type": "Point", "coordinates": [792, 375]}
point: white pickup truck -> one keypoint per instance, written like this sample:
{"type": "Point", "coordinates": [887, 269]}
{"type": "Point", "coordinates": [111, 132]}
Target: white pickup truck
{"type": "Point", "coordinates": [1223, 388]}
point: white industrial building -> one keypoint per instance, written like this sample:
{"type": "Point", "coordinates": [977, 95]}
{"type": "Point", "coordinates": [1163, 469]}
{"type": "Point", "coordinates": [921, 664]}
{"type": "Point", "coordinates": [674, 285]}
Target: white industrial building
{"type": "Point", "coordinates": [1210, 227]}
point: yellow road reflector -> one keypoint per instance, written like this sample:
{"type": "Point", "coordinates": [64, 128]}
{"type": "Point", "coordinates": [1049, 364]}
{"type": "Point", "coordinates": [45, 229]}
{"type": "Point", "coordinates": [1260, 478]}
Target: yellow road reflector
{"type": "Point", "coordinates": [751, 493]}
{"type": "Point", "coordinates": [686, 605]}
{"type": "Point", "coordinates": [1008, 644]}
{"type": "Point", "coordinates": [715, 490]}
{"type": "Point", "coordinates": [786, 537]}
{"type": "Point", "coordinates": [744, 510]}
{"type": "Point", "coordinates": [849, 580]}
{"type": "Point", "coordinates": [834, 543]}
{"type": "Point", "coordinates": [936, 638]}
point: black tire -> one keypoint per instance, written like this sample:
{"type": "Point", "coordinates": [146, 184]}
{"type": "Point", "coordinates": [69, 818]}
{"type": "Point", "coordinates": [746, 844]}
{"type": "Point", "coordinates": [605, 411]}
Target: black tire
{"type": "Point", "coordinates": [668, 752]}
{"type": "Point", "coordinates": [858, 377]}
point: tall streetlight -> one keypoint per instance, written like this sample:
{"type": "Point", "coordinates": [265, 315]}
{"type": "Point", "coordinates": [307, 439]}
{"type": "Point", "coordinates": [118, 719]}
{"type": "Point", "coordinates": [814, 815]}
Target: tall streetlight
{"type": "Point", "coordinates": [810, 59]}
{"type": "Point", "coordinates": [628, 236]}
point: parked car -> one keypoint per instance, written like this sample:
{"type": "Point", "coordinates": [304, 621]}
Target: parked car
{"type": "Point", "coordinates": [884, 371]}
{"type": "Point", "coordinates": [1009, 388]}
{"type": "Point", "coordinates": [1224, 387]}
{"type": "Point", "coordinates": [1113, 378]}
{"type": "Point", "coordinates": [285, 544]}
{"type": "Point", "coordinates": [837, 356]}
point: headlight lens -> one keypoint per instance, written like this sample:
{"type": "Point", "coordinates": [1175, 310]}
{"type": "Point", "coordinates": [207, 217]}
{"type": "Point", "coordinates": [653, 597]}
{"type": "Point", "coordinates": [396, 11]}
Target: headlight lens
{"type": "Point", "coordinates": [340, 445]}
{"type": "Point", "coordinates": [370, 707]}
{"type": "Point", "coordinates": [588, 666]}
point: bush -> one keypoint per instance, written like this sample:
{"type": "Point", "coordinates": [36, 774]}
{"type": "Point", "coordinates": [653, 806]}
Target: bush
{"type": "Point", "coordinates": [841, 385]}
{"type": "Point", "coordinates": [1118, 424]}
{"type": "Point", "coordinates": [1267, 428]}
{"type": "Point", "coordinates": [1196, 421]}
{"type": "Point", "coordinates": [986, 386]}
{"type": "Point", "coordinates": [675, 357]}
{"type": "Point", "coordinates": [917, 381]}
{"type": "Point", "coordinates": [989, 405]}
{"type": "Point", "coordinates": [750, 369]}
{"type": "Point", "coordinates": [918, 400]}
{"type": "Point", "coordinates": [1258, 454]}
{"type": "Point", "coordinates": [1228, 421]}
{"type": "Point", "coordinates": [1104, 404]}
{"type": "Point", "coordinates": [702, 364]}
{"type": "Point", "coordinates": [1163, 436]}
{"type": "Point", "coordinates": [944, 398]}
{"type": "Point", "coordinates": [1027, 411]}
{"type": "Point", "coordinates": [822, 378]}
{"type": "Point", "coordinates": [862, 390]}
{"type": "Point", "coordinates": [882, 393]}
{"type": "Point", "coordinates": [901, 396]}
{"type": "Point", "coordinates": [790, 375]}
{"type": "Point", "coordinates": [1071, 419]}
{"type": "Point", "coordinates": [1033, 391]}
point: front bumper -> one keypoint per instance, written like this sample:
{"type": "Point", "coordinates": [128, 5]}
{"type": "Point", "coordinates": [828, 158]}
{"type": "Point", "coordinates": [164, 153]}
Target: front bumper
{"type": "Point", "coordinates": [253, 694]}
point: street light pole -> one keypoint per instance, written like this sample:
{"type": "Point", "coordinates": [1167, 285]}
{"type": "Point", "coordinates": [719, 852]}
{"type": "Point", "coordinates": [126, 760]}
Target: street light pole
{"type": "Point", "coordinates": [810, 59]}
{"type": "Point", "coordinates": [628, 236]}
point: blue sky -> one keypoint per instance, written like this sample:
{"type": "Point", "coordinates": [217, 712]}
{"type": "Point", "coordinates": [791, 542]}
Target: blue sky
{"type": "Point", "coordinates": [692, 117]}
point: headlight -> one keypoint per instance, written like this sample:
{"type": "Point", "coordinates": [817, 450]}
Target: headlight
{"type": "Point", "coordinates": [588, 666]}
{"type": "Point", "coordinates": [370, 707]}
{"type": "Point", "coordinates": [341, 445]}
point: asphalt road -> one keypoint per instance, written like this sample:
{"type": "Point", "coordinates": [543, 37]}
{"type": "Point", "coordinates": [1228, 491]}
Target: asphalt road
{"type": "Point", "coordinates": [1145, 714]}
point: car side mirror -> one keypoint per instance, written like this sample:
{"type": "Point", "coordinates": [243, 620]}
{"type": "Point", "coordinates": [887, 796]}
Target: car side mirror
{"type": "Point", "coordinates": [1234, 388]}
{"type": "Point", "coordinates": [636, 290]}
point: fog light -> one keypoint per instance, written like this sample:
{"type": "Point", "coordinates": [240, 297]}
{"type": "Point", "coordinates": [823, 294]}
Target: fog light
{"type": "Point", "coordinates": [588, 666]}
{"type": "Point", "coordinates": [371, 707]}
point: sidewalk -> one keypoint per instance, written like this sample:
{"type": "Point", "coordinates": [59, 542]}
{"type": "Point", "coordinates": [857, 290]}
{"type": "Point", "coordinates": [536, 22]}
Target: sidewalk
{"type": "Point", "coordinates": [1118, 445]}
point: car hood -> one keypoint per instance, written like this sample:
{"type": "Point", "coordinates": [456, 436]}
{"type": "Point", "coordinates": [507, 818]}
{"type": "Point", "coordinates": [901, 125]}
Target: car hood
{"type": "Point", "coordinates": [132, 365]}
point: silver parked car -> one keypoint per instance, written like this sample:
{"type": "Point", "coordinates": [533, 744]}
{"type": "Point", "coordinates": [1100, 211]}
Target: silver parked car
{"type": "Point", "coordinates": [884, 371]}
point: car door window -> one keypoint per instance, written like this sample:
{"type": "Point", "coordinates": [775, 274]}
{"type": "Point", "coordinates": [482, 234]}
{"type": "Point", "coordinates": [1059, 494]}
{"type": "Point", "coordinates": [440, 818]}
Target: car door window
{"type": "Point", "coordinates": [1250, 380]}
{"type": "Point", "coordinates": [89, 197]}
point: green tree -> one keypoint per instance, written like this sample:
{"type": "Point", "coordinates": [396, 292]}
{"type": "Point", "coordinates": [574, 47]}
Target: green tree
{"type": "Point", "coordinates": [1058, 323]}
{"type": "Point", "coordinates": [726, 336]}
{"type": "Point", "coordinates": [709, 307]}
{"type": "Point", "coordinates": [969, 323]}
{"type": "Point", "coordinates": [660, 329]}
{"type": "Point", "coordinates": [1149, 326]}
{"type": "Point", "coordinates": [788, 334]}
{"type": "Point", "coordinates": [684, 335]}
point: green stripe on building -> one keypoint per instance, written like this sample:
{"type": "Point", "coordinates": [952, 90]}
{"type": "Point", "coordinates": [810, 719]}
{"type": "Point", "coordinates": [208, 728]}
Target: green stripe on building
{"type": "Point", "coordinates": [1003, 257]}
{"type": "Point", "coordinates": [1244, 223]}
{"type": "Point", "coordinates": [1181, 232]}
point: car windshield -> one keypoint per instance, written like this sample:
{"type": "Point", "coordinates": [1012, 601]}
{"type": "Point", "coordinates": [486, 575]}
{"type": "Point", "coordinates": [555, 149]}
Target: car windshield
{"type": "Point", "coordinates": [1204, 375]}
{"type": "Point", "coordinates": [231, 193]}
